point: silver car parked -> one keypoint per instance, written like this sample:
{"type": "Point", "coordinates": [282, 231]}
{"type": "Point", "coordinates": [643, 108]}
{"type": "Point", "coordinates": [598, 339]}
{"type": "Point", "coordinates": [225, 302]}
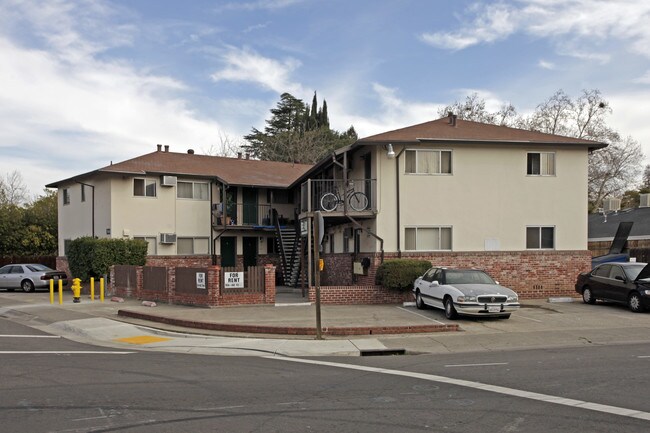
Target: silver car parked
{"type": "Point", "coordinates": [29, 276]}
{"type": "Point", "coordinates": [466, 292]}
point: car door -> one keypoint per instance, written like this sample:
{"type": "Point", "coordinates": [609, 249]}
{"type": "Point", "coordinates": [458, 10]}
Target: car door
{"type": "Point", "coordinates": [618, 286]}
{"type": "Point", "coordinates": [436, 289]}
{"type": "Point", "coordinates": [424, 284]}
{"type": "Point", "coordinates": [599, 281]}
{"type": "Point", "coordinates": [15, 276]}
{"type": "Point", "coordinates": [4, 272]}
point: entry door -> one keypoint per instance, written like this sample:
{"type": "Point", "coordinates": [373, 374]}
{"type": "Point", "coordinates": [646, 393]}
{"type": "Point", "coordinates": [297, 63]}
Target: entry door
{"type": "Point", "coordinates": [249, 197]}
{"type": "Point", "coordinates": [228, 251]}
{"type": "Point", "coordinates": [250, 251]}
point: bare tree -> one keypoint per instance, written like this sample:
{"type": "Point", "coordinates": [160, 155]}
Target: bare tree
{"type": "Point", "coordinates": [13, 190]}
{"type": "Point", "coordinates": [228, 146]}
{"type": "Point", "coordinates": [613, 169]}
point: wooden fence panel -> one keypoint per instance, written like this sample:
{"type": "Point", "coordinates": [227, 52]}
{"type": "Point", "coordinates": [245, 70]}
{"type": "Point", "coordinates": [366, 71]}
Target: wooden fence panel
{"type": "Point", "coordinates": [154, 278]}
{"type": "Point", "coordinates": [253, 280]}
{"type": "Point", "coordinates": [125, 277]}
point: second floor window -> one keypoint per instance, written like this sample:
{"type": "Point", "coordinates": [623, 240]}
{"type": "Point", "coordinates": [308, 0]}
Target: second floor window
{"type": "Point", "coordinates": [66, 196]}
{"type": "Point", "coordinates": [428, 162]}
{"type": "Point", "coordinates": [193, 190]}
{"type": "Point", "coordinates": [83, 192]}
{"type": "Point", "coordinates": [144, 188]}
{"type": "Point", "coordinates": [540, 164]}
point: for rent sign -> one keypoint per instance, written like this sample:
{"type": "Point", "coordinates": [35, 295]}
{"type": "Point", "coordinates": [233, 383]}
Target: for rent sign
{"type": "Point", "coordinates": [233, 280]}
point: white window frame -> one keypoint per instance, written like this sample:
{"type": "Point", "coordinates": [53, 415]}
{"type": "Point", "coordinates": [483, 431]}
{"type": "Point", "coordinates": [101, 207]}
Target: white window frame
{"type": "Point", "coordinates": [193, 239]}
{"type": "Point", "coordinates": [439, 246]}
{"type": "Point", "coordinates": [542, 166]}
{"type": "Point", "coordinates": [194, 190]}
{"type": "Point", "coordinates": [539, 237]}
{"type": "Point", "coordinates": [147, 183]}
{"type": "Point", "coordinates": [439, 171]}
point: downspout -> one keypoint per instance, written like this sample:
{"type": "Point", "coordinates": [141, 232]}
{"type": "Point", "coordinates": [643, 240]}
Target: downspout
{"type": "Point", "coordinates": [397, 207]}
{"type": "Point", "coordinates": [92, 207]}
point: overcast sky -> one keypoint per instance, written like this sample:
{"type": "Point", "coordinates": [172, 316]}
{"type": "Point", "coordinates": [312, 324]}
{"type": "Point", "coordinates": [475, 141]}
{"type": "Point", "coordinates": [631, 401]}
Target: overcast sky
{"type": "Point", "coordinates": [87, 82]}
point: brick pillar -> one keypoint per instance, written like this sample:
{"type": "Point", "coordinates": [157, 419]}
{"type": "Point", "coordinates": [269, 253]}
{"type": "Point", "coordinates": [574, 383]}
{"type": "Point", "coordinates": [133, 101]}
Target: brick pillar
{"type": "Point", "coordinates": [269, 284]}
{"type": "Point", "coordinates": [171, 284]}
{"type": "Point", "coordinates": [139, 278]}
{"type": "Point", "coordinates": [214, 285]}
{"type": "Point", "coordinates": [110, 285]}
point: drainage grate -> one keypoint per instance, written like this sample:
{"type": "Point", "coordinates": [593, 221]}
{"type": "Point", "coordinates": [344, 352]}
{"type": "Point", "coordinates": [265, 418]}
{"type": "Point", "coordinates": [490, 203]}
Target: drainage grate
{"type": "Point", "coordinates": [382, 352]}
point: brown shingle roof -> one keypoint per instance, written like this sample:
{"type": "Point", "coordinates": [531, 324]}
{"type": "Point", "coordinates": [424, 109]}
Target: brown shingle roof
{"type": "Point", "coordinates": [465, 130]}
{"type": "Point", "coordinates": [233, 171]}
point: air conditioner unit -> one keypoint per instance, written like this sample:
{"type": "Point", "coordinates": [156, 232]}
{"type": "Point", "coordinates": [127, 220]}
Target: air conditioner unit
{"type": "Point", "coordinates": [168, 181]}
{"type": "Point", "coordinates": [645, 200]}
{"type": "Point", "coordinates": [612, 204]}
{"type": "Point", "coordinates": [167, 238]}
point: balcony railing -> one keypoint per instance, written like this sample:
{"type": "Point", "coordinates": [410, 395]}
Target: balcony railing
{"type": "Point", "coordinates": [329, 195]}
{"type": "Point", "coordinates": [256, 215]}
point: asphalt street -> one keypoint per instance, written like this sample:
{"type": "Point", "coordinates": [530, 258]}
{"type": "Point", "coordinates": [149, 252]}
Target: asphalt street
{"type": "Point", "coordinates": [52, 384]}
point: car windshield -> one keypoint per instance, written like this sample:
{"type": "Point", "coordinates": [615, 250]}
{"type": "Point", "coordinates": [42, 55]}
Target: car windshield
{"type": "Point", "coordinates": [467, 277]}
{"type": "Point", "coordinates": [37, 268]}
{"type": "Point", "coordinates": [633, 271]}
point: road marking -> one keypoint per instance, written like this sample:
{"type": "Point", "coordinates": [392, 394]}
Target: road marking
{"type": "Point", "coordinates": [643, 356]}
{"type": "Point", "coordinates": [476, 365]}
{"type": "Point", "coordinates": [29, 336]}
{"type": "Point", "coordinates": [621, 411]}
{"type": "Point", "coordinates": [421, 315]}
{"type": "Point", "coordinates": [142, 339]}
{"type": "Point", "coordinates": [62, 352]}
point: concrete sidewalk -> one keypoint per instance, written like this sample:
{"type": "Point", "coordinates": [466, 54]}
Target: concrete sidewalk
{"type": "Point", "coordinates": [349, 330]}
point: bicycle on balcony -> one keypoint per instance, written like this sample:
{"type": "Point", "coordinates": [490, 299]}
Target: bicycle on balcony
{"type": "Point", "coordinates": [357, 200]}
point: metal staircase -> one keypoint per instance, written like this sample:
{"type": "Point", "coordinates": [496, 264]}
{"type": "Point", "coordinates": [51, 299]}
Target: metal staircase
{"type": "Point", "coordinates": [289, 245]}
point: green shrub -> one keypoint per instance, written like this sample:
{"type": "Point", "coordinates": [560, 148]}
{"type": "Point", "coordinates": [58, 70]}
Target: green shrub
{"type": "Point", "coordinates": [399, 274]}
{"type": "Point", "coordinates": [89, 257]}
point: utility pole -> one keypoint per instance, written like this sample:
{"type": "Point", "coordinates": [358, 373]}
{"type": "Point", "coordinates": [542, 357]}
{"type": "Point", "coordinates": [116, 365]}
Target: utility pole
{"type": "Point", "coordinates": [319, 230]}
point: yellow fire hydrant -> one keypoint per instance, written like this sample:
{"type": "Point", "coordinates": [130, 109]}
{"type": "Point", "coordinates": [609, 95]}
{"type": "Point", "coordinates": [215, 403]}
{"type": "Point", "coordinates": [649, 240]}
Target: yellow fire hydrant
{"type": "Point", "coordinates": [76, 290]}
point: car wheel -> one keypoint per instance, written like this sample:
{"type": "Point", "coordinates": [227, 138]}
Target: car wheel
{"type": "Point", "coordinates": [450, 311]}
{"type": "Point", "coordinates": [504, 316]}
{"type": "Point", "coordinates": [634, 302]}
{"type": "Point", "coordinates": [419, 302]}
{"type": "Point", "coordinates": [588, 296]}
{"type": "Point", "coordinates": [27, 286]}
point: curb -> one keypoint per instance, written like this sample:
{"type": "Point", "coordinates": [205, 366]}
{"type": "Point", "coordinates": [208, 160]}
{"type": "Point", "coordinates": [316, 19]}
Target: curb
{"type": "Point", "coordinates": [289, 330]}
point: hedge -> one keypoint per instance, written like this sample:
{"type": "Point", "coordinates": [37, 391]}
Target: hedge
{"type": "Point", "coordinates": [89, 257]}
{"type": "Point", "coordinates": [399, 274]}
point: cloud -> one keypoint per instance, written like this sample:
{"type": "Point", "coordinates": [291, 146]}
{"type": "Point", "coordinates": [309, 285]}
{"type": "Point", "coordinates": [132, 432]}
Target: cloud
{"type": "Point", "coordinates": [66, 109]}
{"type": "Point", "coordinates": [585, 23]}
{"type": "Point", "coordinates": [248, 66]}
{"type": "Point", "coordinates": [546, 65]}
{"type": "Point", "coordinates": [259, 4]}
{"type": "Point", "coordinates": [644, 79]}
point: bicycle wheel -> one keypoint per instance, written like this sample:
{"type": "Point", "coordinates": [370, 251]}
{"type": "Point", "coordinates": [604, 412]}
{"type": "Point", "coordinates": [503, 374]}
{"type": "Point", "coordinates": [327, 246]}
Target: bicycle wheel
{"type": "Point", "coordinates": [328, 202]}
{"type": "Point", "coordinates": [358, 201]}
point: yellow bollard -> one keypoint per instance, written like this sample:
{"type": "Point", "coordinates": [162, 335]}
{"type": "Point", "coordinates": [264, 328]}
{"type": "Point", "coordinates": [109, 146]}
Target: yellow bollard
{"type": "Point", "coordinates": [92, 289]}
{"type": "Point", "coordinates": [101, 289]}
{"type": "Point", "coordinates": [51, 291]}
{"type": "Point", "coordinates": [60, 292]}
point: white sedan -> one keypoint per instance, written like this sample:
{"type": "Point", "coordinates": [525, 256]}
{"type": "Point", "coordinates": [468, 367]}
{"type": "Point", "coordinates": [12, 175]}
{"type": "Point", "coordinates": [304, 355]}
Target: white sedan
{"type": "Point", "coordinates": [466, 292]}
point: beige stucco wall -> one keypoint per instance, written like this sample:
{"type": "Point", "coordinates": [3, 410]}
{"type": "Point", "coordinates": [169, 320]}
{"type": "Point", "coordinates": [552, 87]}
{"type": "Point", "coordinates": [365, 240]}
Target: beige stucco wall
{"type": "Point", "coordinates": [75, 218]}
{"type": "Point", "coordinates": [150, 216]}
{"type": "Point", "coordinates": [488, 196]}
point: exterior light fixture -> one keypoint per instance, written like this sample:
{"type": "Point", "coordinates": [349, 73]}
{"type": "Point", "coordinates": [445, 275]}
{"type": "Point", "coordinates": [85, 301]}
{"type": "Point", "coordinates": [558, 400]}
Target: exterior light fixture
{"type": "Point", "coordinates": [390, 153]}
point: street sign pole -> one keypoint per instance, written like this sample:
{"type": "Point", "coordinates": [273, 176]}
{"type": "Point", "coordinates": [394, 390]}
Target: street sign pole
{"type": "Point", "coordinates": [318, 237]}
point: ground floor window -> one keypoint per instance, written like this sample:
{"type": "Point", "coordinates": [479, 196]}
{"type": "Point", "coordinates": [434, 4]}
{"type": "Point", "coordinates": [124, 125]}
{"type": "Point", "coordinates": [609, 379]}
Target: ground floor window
{"type": "Point", "coordinates": [540, 237]}
{"type": "Point", "coordinates": [192, 245]}
{"type": "Point", "coordinates": [427, 238]}
{"type": "Point", "coordinates": [151, 243]}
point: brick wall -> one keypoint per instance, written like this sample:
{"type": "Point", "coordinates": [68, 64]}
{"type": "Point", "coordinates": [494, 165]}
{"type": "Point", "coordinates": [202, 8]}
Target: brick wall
{"type": "Point", "coordinates": [209, 297]}
{"type": "Point", "coordinates": [532, 274]}
{"type": "Point", "coordinates": [359, 295]}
